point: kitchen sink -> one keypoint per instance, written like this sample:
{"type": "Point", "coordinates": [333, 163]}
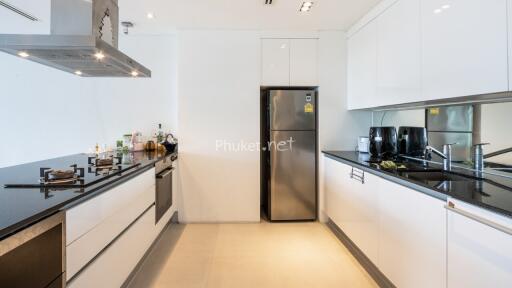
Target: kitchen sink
{"type": "Point", "coordinates": [434, 176]}
{"type": "Point", "coordinates": [404, 167]}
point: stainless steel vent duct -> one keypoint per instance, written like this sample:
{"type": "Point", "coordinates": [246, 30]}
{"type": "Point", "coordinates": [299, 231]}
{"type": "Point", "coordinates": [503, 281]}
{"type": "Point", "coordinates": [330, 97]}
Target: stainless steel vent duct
{"type": "Point", "coordinates": [83, 41]}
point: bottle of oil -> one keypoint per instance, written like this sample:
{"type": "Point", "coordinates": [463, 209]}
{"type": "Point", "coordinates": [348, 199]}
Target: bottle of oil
{"type": "Point", "coordinates": [160, 134]}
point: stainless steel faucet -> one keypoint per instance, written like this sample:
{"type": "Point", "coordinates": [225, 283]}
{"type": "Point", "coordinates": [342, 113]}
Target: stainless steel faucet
{"type": "Point", "coordinates": [478, 155]}
{"type": "Point", "coordinates": [446, 155]}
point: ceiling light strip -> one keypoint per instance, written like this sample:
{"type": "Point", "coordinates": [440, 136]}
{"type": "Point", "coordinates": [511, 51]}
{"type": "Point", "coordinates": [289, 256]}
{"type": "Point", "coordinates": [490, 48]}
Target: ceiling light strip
{"type": "Point", "coordinates": [17, 11]}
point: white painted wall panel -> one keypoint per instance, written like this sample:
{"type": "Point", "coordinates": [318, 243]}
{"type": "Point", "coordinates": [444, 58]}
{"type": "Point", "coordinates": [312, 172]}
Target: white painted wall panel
{"type": "Point", "coordinates": [48, 113]}
{"type": "Point", "coordinates": [13, 23]}
{"type": "Point", "coordinates": [338, 128]}
{"type": "Point", "coordinates": [219, 77]}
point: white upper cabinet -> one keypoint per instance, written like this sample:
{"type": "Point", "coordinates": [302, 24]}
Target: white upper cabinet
{"type": "Point", "coordinates": [275, 67]}
{"type": "Point", "coordinates": [464, 47]}
{"type": "Point", "coordinates": [398, 54]}
{"type": "Point", "coordinates": [362, 67]}
{"type": "Point", "coordinates": [289, 62]}
{"type": "Point", "coordinates": [14, 23]}
{"type": "Point", "coordinates": [422, 50]}
{"type": "Point", "coordinates": [304, 62]}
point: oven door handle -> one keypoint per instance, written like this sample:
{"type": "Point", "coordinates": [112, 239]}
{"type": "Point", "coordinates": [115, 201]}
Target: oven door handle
{"type": "Point", "coordinates": [165, 173]}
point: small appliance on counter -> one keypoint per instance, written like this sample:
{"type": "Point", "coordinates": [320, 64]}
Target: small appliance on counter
{"type": "Point", "coordinates": [137, 143]}
{"type": "Point", "coordinates": [363, 145]}
{"type": "Point", "coordinates": [170, 143]}
{"type": "Point", "coordinates": [412, 141]}
{"type": "Point", "coordinates": [150, 146]}
{"type": "Point", "coordinates": [383, 143]}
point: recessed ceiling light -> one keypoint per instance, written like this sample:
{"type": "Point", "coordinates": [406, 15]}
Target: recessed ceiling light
{"type": "Point", "coordinates": [135, 73]}
{"type": "Point", "coordinates": [78, 72]}
{"type": "Point", "coordinates": [99, 55]}
{"type": "Point", "coordinates": [306, 6]}
{"type": "Point", "coordinates": [446, 6]}
{"type": "Point", "coordinates": [23, 54]}
{"type": "Point", "coordinates": [150, 15]}
{"type": "Point", "coordinates": [437, 11]}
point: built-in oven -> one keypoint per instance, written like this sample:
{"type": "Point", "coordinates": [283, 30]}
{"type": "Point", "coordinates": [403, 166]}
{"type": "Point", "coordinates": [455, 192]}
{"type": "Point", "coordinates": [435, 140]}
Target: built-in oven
{"type": "Point", "coordinates": [164, 171]}
{"type": "Point", "coordinates": [35, 257]}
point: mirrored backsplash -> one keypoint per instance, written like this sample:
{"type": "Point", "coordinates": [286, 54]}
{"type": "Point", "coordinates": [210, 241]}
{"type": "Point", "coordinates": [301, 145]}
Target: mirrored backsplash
{"type": "Point", "coordinates": [486, 123]}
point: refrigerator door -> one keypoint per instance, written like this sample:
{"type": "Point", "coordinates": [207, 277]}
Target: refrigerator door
{"type": "Point", "coordinates": [292, 109]}
{"type": "Point", "coordinates": [293, 176]}
{"type": "Point", "coordinates": [450, 119]}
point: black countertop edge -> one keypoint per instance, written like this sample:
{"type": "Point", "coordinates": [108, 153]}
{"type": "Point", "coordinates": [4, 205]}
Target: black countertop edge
{"type": "Point", "coordinates": [106, 187]}
{"type": "Point", "coordinates": [420, 187]}
{"type": "Point", "coordinates": [144, 166]}
{"type": "Point", "coordinates": [391, 177]}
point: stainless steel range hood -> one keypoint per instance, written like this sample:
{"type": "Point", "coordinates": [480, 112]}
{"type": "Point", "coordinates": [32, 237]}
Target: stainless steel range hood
{"type": "Point", "coordinates": [83, 41]}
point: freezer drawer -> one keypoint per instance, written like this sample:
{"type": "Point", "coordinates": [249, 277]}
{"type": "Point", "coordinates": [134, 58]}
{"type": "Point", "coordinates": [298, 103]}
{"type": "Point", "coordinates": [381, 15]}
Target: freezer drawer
{"type": "Point", "coordinates": [292, 109]}
{"type": "Point", "coordinates": [293, 176]}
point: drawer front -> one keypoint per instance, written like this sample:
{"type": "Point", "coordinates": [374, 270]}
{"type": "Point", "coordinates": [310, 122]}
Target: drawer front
{"type": "Point", "coordinates": [116, 263]}
{"type": "Point", "coordinates": [85, 248]}
{"type": "Point", "coordinates": [86, 216]}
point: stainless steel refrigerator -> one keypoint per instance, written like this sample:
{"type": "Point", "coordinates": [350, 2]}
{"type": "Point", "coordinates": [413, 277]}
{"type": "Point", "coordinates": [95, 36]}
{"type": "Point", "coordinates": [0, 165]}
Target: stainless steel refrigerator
{"type": "Point", "coordinates": [292, 155]}
{"type": "Point", "coordinates": [454, 124]}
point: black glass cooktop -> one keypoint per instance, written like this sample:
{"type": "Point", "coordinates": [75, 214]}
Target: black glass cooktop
{"type": "Point", "coordinates": [88, 173]}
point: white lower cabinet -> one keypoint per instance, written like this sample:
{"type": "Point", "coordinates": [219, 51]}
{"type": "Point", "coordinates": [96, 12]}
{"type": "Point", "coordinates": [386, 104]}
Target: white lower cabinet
{"type": "Point", "coordinates": [115, 264]}
{"type": "Point", "coordinates": [479, 255]}
{"type": "Point", "coordinates": [86, 216]}
{"type": "Point", "coordinates": [352, 205]}
{"type": "Point", "coordinates": [403, 232]}
{"type": "Point", "coordinates": [412, 237]}
{"type": "Point", "coordinates": [95, 223]}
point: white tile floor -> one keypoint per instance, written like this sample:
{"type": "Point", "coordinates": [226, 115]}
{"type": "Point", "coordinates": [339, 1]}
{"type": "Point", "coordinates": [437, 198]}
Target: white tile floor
{"type": "Point", "coordinates": [250, 255]}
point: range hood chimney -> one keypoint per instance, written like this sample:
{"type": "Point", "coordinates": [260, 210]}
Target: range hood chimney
{"type": "Point", "coordinates": [83, 41]}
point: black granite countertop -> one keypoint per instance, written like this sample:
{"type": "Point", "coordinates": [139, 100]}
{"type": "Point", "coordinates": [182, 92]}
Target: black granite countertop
{"type": "Point", "coordinates": [492, 192]}
{"type": "Point", "coordinates": [21, 207]}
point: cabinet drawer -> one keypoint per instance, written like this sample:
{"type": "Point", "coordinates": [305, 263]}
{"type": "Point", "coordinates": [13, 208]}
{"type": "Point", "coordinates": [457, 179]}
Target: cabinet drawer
{"type": "Point", "coordinates": [86, 216]}
{"type": "Point", "coordinates": [116, 263]}
{"type": "Point", "coordinates": [85, 248]}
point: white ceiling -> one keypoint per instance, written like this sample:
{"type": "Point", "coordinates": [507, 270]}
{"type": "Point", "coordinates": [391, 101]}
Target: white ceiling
{"type": "Point", "coordinates": [241, 14]}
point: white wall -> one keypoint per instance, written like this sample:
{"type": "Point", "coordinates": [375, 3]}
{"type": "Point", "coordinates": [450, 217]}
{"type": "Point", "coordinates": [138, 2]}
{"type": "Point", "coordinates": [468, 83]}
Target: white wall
{"type": "Point", "coordinates": [338, 127]}
{"type": "Point", "coordinates": [218, 100]}
{"type": "Point", "coordinates": [47, 113]}
{"type": "Point", "coordinates": [495, 129]}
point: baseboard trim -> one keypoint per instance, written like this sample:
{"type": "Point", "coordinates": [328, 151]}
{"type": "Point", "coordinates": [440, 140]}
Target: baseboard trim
{"type": "Point", "coordinates": [173, 220]}
{"type": "Point", "coordinates": [367, 264]}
